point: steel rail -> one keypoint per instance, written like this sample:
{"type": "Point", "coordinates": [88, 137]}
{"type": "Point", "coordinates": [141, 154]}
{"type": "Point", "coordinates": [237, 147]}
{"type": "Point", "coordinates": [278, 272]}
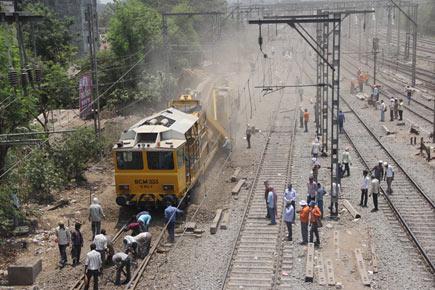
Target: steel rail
{"type": "Point", "coordinates": [396, 211]}
{"type": "Point", "coordinates": [396, 91]}
{"type": "Point", "coordinates": [81, 281]}
{"type": "Point", "coordinates": [402, 93]}
{"type": "Point", "coordinates": [414, 183]}
{"type": "Point", "coordinates": [250, 199]}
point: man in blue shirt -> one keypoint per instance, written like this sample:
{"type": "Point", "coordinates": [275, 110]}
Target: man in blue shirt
{"type": "Point", "coordinates": [341, 120]}
{"type": "Point", "coordinates": [170, 217]}
{"type": "Point", "coordinates": [319, 197]}
{"type": "Point", "coordinates": [144, 222]}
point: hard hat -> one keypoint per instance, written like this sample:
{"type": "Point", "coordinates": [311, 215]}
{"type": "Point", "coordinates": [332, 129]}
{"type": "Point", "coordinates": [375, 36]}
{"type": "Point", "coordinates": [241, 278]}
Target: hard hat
{"type": "Point", "coordinates": [385, 163]}
{"type": "Point", "coordinates": [302, 203]}
{"type": "Point", "coordinates": [380, 161]}
{"type": "Point", "coordinates": [312, 203]}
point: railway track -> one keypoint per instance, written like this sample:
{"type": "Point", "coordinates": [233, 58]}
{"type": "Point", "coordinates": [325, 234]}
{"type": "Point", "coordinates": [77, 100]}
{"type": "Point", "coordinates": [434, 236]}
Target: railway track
{"type": "Point", "coordinates": [254, 261]}
{"type": "Point", "coordinates": [80, 284]}
{"type": "Point", "coordinates": [414, 209]}
{"type": "Point", "coordinates": [394, 92]}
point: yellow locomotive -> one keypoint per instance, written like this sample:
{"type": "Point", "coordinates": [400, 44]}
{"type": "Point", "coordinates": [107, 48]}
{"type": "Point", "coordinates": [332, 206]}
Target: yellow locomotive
{"type": "Point", "coordinates": [160, 158]}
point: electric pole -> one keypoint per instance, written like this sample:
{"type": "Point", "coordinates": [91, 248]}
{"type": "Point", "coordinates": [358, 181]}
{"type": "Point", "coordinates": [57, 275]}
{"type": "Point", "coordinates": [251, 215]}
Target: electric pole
{"type": "Point", "coordinates": [90, 17]}
{"type": "Point", "coordinates": [375, 52]}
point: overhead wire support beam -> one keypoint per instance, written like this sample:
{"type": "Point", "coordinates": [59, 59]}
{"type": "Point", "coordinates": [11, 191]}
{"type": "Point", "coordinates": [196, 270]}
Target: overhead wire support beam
{"type": "Point", "coordinates": [312, 46]}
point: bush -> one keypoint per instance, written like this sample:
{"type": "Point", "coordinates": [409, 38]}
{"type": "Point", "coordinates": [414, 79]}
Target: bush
{"type": "Point", "coordinates": [72, 156]}
{"type": "Point", "coordinates": [42, 176]}
{"type": "Point", "coordinates": [8, 212]}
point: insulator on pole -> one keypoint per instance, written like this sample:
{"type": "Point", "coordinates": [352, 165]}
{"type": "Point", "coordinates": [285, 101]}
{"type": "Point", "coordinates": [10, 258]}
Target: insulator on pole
{"type": "Point", "coordinates": [13, 77]}
{"type": "Point", "coordinates": [30, 74]}
{"type": "Point", "coordinates": [38, 74]}
{"type": "Point", "coordinates": [24, 78]}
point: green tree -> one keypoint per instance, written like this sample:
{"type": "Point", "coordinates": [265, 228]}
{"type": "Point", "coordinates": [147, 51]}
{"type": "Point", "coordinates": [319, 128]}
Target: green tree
{"type": "Point", "coordinates": [134, 28]}
{"type": "Point", "coordinates": [49, 42]}
{"type": "Point", "coordinates": [49, 38]}
{"type": "Point", "coordinates": [15, 110]}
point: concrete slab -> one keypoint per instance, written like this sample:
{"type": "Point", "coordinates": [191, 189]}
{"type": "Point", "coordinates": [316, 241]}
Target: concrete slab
{"type": "Point", "coordinates": [24, 274]}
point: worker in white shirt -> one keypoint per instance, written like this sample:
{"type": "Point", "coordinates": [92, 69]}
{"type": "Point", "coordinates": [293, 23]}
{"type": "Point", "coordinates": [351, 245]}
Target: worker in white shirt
{"type": "Point", "coordinates": [129, 243]}
{"type": "Point", "coordinates": [364, 188]}
{"type": "Point", "coordinates": [122, 261]}
{"type": "Point", "coordinates": [389, 176]}
{"type": "Point", "coordinates": [290, 197]}
{"type": "Point", "coordinates": [100, 242]}
{"type": "Point", "coordinates": [63, 239]}
{"type": "Point", "coordinates": [315, 148]}
{"type": "Point", "coordinates": [375, 192]}
{"type": "Point", "coordinates": [93, 267]}
{"type": "Point", "coordinates": [345, 160]}
{"type": "Point", "coordinates": [289, 218]}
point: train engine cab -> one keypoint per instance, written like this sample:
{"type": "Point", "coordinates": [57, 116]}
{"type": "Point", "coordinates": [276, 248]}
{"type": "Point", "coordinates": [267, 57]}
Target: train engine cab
{"type": "Point", "coordinates": [157, 159]}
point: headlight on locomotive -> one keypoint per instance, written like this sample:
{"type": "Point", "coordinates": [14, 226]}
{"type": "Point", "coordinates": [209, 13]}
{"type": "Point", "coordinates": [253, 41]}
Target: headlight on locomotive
{"type": "Point", "coordinates": [124, 187]}
{"type": "Point", "coordinates": [168, 187]}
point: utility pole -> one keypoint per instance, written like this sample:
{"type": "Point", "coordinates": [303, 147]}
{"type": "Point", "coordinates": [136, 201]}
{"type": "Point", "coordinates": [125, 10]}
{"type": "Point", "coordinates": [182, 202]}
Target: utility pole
{"type": "Point", "coordinates": [375, 52]}
{"type": "Point", "coordinates": [398, 33]}
{"type": "Point", "coordinates": [389, 28]}
{"type": "Point", "coordinates": [90, 17]}
{"type": "Point", "coordinates": [414, 46]}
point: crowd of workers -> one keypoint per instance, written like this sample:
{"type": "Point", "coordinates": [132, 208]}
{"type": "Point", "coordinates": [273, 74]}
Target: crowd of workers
{"type": "Point", "coordinates": [311, 211]}
{"type": "Point", "coordinates": [102, 251]}
{"type": "Point", "coordinates": [395, 105]}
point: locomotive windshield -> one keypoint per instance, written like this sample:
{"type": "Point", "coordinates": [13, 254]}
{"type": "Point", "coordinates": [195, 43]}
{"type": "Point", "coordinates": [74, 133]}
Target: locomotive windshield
{"type": "Point", "coordinates": [129, 160]}
{"type": "Point", "coordinates": [160, 160]}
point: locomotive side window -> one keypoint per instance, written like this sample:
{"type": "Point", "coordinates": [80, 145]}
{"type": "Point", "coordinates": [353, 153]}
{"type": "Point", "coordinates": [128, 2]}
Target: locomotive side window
{"type": "Point", "coordinates": [160, 160]}
{"type": "Point", "coordinates": [129, 160]}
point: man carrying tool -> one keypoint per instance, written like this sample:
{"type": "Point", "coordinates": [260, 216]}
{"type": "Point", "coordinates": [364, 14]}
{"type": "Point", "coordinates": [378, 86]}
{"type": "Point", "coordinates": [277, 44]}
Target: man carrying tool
{"type": "Point", "coordinates": [171, 217]}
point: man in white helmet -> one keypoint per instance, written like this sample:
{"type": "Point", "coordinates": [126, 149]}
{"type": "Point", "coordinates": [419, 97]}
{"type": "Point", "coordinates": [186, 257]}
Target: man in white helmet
{"type": "Point", "coordinates": [389, 176]}
{"type": "Point", "coordinates": [96, 214]}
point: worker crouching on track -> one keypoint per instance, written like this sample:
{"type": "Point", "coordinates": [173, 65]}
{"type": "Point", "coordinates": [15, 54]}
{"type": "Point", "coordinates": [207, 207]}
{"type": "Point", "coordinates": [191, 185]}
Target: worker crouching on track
{"type": "Point", "coordinates": [122, 263]}
{"type": "Point", "coordinates": [144, 222]}
{"type": "Point", "coordinates": [315, 222]}
{"type": "Point", "coordinates": [139, 245]}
